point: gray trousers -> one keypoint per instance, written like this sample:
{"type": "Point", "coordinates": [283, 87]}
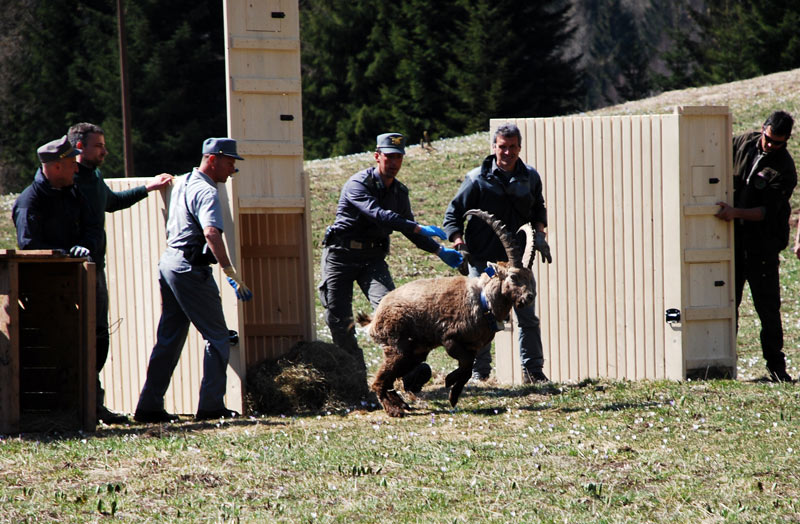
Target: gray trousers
{"type": "Point", "coordinates": [530, 335]}
{"type": "Point", "coordinates": [188, 294]}
{"type": "Point", "coordinates": [340, 268]}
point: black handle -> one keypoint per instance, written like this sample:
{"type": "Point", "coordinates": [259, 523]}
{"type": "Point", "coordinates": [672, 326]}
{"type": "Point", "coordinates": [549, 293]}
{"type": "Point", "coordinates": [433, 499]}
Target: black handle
{"type": "Point", "coordinates": [287, 118]}
{"type": "Point", "coordinates": [713, 180]}
{"type": "Point", "coordinates": [719, 283]}
{"type": "Point", "coordinates": [278, 14]}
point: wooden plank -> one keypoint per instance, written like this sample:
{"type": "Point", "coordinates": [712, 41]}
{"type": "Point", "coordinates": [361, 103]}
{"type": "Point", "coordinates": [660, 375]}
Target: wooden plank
{"type": "Point", "coordinates": [700, 209]}
{"type": "Point", "coordinates": [658, 247]}
{"type": "Point", "coordinates": [264, 43]}
{"type": "Point", "coordinates": [9, 346]}
{"type": "Point", "coordinates": [266, 148]}
{"type": "Point", "coordinates": [266, 85]}
{"type": "Point", "coordinates": [262, 204]}
{"type": "Point", "coordinates": [272, 330]}
{"type": "Point", "coordinates": [581, 212]}
{"type": "Point", "coordinates": [699, 255]}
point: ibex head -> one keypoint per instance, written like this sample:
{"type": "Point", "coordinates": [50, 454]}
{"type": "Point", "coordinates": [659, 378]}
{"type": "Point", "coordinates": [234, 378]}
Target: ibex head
{"type": "Point", "coordinates": [516, 276]}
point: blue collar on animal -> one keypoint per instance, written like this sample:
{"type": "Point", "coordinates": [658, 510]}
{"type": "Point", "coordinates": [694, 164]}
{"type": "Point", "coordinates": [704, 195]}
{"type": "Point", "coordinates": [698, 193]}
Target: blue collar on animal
{"type": "Point", "coordinates": [488, 315]}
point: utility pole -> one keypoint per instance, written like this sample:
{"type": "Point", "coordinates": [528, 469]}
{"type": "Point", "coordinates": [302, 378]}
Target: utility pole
{"type": "Point", "coordinates": [126, 104]}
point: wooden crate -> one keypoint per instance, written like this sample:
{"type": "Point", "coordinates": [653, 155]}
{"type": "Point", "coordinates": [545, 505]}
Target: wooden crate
{"type": "Point", "coordinates": [47, 351]}
{"type": "Point", "coordinates": [631, 203]}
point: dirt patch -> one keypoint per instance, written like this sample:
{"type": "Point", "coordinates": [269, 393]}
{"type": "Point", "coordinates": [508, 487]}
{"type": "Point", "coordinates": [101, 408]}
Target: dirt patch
{"type": "Point", "coordinates": [311, 377]}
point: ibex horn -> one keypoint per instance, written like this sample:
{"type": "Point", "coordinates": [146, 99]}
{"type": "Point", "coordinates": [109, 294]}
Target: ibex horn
{"type": "Point", "coordinates": [502, 233]}
{"type": "Point", "coordinates": [527, 254]}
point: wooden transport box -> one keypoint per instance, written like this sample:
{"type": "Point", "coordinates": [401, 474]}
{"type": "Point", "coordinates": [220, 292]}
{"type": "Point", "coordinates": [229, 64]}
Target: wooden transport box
{"type": "Point", "coordinates": [47, 349]}
{"type": "Point", "coordinates": [642, 280]}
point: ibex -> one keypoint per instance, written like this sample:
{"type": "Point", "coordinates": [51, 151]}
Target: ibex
{"type": "Point", "coordinates": [459, 313]}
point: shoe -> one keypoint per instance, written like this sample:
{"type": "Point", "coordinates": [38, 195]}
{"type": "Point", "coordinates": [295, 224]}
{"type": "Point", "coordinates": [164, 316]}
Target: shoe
{"type": "Point", "coordinates": [417, 378]}
{"type": "Point", "coordinates": [106, 416]}
{"type": "Point", "coordinates": [212, 414]}
{"type": "Point", "coordinates": [780, 375]}
{"type": "Point", "coordinates": [154, 416]}
{"type": "Point", "coordinates": [534, 377]}
{"type": "Point", "coordinates": [479, 377]}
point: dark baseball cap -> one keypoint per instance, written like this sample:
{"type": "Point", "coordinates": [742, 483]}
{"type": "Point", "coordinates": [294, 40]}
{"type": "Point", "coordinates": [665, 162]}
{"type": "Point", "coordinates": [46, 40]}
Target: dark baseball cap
{"type": "Point", "coordinates": [56, 150]}
{"type": "Point", "coordinates": [392, 143]}
{"type": "Point", "coordinates": [221, 146]}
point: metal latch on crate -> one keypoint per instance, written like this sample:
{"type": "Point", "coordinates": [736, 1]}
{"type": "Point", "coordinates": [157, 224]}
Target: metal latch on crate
{"type": "Point", "coordinates": [673, 316]}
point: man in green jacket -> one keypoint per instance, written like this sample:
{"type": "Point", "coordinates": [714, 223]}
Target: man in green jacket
{"type": "Point", "coordinates": [90, 139]}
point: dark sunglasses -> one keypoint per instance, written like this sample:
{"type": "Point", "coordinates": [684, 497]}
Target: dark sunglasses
{"type": "Point", "coordinates": [775, 143]}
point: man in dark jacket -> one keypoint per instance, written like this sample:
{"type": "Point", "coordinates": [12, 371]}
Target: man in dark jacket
{"type": "Point", "coordinates": [90, 140]}
{"type": "Point", "coordinates": [764, 177]}
{"type": "Point", "coordinates": [372, 204]}
{"type": "Point", "coordinates": [51, 213]}
{"type": "Point", "coordinates": [511, 190]}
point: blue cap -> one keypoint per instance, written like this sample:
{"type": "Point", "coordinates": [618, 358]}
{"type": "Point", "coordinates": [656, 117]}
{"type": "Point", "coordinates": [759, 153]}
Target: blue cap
{"type": "Point", "coordinates": [221, 146]}
{"type": "Point", "coordinates": [392, 143]}
{"type": "Point", "coordinates": [56, 150]}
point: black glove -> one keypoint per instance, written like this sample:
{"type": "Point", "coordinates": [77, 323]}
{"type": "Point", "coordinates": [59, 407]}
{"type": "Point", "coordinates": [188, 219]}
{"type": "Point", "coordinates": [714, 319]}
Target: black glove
{"type": "Point", "coordinates": [540, 245]}
{"type": "Point", "coordinates": [463, 268]}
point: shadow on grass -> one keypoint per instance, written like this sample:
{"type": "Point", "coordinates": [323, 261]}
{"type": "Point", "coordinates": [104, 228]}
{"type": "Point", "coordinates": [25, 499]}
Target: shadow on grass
{"type": "Point", "coordinates": [186, 424]}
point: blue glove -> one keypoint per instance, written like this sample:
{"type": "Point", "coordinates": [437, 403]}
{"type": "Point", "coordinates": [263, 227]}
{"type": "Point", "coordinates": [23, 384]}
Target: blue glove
{"type": "Point", "coordinates": [239, 287]}
{"type": "Point", "coordinates": [78, 252]}
{"type": "Point", "coordinates": [451, 257]}
{"type": "Point", "coordinates": [433, 231]}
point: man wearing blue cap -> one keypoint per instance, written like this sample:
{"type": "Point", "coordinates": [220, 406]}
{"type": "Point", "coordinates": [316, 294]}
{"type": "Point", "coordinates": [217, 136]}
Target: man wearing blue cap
{"type": "Point", "coordinates": [51, 213]}
{"type": "Point", "coordinates": [188, 290]}
{"type": "Point", "coordinates": [90, 140]}
{"type": "Point", "coordinates": [372, 204]}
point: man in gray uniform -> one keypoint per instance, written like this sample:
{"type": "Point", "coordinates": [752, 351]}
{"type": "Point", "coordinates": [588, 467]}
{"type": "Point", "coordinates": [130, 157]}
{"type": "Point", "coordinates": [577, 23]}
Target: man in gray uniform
{"type": "Point", "coordinates": [188, 290]}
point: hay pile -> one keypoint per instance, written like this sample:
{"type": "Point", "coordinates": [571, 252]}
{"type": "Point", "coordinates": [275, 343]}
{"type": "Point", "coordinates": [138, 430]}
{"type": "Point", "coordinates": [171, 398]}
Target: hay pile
{"type": "Point", "coordinates": [312, 376]}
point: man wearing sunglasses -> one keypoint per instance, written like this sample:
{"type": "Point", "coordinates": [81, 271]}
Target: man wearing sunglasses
{"type": "Point", "coordinates": [764, 177]}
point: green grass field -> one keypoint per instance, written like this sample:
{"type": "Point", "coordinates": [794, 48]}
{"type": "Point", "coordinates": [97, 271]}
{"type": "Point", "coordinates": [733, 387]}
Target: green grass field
{"type": "Point", "coordinates": [598, 451]}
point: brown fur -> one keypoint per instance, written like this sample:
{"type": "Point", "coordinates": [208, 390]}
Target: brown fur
{"type": "Point", "coordinates": [415, 318]}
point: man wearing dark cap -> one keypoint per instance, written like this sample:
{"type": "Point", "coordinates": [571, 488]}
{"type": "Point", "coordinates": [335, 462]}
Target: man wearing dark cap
{"type": "Point", "coordinates": [764, 177]}
{"type": "Point", "coordinates": [90, 140]}
{"type": "Point", "coordinates": [51, 213]}
{"type": "Point", "coordinates": [188, 290]}
{"type": "Point", "coordinates": [372, 204]}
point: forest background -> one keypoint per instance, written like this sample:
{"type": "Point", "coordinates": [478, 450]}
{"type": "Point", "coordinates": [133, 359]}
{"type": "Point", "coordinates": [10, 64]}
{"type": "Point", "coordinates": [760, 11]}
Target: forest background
{"type": "Point", "coordinates": [442, 66]}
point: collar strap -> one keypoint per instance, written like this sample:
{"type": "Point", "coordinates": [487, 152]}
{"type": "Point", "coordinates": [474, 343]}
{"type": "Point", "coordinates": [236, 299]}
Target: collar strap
{"type": "Point", "coordinates": [488, 315]}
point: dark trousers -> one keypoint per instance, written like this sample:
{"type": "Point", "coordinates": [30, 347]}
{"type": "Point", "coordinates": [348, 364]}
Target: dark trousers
{"type": "Point", "coordinates": [760, 270]}
{"type": "Point", "coordinates": [101, 330]}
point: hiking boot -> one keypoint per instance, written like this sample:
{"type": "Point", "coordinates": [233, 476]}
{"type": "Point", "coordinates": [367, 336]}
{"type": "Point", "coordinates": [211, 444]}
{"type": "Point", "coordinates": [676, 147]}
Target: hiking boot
{"type": "Point", "coordinates": [534, 376]}
{"type": "Point", "coordinates": [417, 378]}
{"type": "Point", "coordinates": [780, 375]}
{"type": "Point", "coordinates": [106, 416]}
{"type": "Point", "coordinates": [212, 414]}
{"type": "Point", "coordinates": [154, 416]}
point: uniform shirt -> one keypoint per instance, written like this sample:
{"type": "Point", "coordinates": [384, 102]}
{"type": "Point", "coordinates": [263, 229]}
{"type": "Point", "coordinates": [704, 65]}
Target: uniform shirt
{"type": "Point", "coordinates": [194, 205]}
{"type": "Point", "coordinates": [102, 199]}
{"type": "Point", "coordinates": [752, 190]}
{"type": "Point", "coordinates": [514, 198]}
{"type": "Point", "coordinates": [50, 218]}
{"type": "Point", "coordinates": [370, 211]}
